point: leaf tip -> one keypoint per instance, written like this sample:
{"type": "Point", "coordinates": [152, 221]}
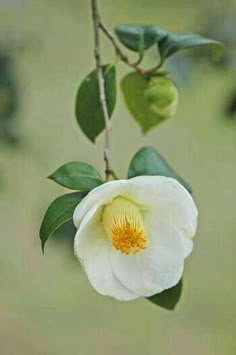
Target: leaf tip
{"type": "Point", "coordinates": [43, 247]}
{"type": "Point", "coordinates": [144, 130]}
{"type": "Point", "coordinates": [91, 138]}
{"type": "Point", "coordinates": [42, 242]}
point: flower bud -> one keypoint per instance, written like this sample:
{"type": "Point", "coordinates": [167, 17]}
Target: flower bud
{"type": "Point", "coordinates": [161, 96]}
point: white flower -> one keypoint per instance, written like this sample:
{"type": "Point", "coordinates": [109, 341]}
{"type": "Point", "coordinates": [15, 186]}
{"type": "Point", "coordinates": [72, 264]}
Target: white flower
{"type": "Point", "coordinates": [133, 235]}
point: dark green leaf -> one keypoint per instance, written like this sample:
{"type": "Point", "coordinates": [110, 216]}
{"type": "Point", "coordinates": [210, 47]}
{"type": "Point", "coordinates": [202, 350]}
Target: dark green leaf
{"type": "Point", "coordinates": [77, 175]}
{"type": "Point", "coordinates": [88, 108]}
{"type": "Point", "coordinates": [60, 211]}
{"type": "Point", "coordinates": [139, 37]}
{"type": "Point", "coordinates": [175, 42]}
{"type": "Point", "coordinates": [133, 87]}
{"type": "Point", "coordinates": [169, 298]}
{"type": "Point", "coordinates": [147, 161]}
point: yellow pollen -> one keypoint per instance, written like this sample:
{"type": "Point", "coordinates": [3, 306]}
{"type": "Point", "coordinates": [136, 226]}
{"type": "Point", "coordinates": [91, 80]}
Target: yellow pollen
{"type": "Point", "coordinates": [123, 224]}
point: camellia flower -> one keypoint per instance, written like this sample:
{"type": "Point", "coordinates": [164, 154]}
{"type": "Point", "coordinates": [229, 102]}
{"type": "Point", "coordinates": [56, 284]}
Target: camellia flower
{"type": "Point", "coordinates": [133, 235]}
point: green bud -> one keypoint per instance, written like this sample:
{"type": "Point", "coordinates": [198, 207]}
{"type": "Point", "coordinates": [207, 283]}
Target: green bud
{"type": "Point", "coordinates": [161, 96]}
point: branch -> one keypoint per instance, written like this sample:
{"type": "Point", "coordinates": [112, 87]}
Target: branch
{"type": "Point", "coordinates": [124, 57]}
{"type": "Point", "coordinates": [119, 52]}
{"type": "Point", "coordinates": [96, 24]}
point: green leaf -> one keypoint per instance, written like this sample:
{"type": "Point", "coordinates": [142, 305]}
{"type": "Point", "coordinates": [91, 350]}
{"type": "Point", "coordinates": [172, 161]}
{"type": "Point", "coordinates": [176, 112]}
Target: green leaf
{"type": "Point", "coordinates": [139, 37]}
{"type": "Point", "coordinates": [175, 42]}
{"type": "Point", "coordinates": [88, 107]}
{"type": "Point", "coordinates": [147, 161]}
{"type": "Point", "coordinates": [169, 298]}
{"type": "Point", "coordinates": [77, 175]}
{"type": "Point", "coordinates": [60, 211]}
{"type": "Point", "coordinates": [133, 87]}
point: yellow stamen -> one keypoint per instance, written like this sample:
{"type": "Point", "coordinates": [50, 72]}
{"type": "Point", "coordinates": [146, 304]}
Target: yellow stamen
{"type": "Point", "coordinates": [123, 224]}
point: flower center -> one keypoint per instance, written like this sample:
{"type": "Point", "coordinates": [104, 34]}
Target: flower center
{"type": "Point", "coordinates": [124, 226]}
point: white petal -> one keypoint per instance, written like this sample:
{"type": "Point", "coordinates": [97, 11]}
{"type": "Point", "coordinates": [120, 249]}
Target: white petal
{"type": "Point", "coordinates": [168, 202]}
{"type": "Point", "coordinates": [101, 195]}
{"type": "Point", "coordinates": [173, 202]}
{"type": "Point", "coordinates": [92, 249]}
{"type": "Point", "coordinates": [160, 232]}
{"type": "Point", "coordinates": [187, 246]}
{"type": "Point", "coordinates": [158, 267]}
{"type": "Point", "coordinates": [190, 228]}
{"type": "Point", "coordinates": [101, 277]}
{"type": "Point", "coordinates": [83, 241]}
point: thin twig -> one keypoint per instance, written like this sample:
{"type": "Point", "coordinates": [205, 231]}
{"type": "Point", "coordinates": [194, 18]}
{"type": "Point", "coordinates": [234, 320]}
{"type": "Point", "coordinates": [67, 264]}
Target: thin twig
{"type": "Point", "coordinates": [139, 60]}
{"type": "Point", "coordinates": [125, 58]}
{"type": "Point", "coordinates": [155, 69]}
{"type": "Point", "coordinates": [119, 52]}
{"type": "Point", "coordinates": [96, 24]}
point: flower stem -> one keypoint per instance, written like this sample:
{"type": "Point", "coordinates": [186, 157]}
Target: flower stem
{"type": "Point", "coordinates": [96, 25]}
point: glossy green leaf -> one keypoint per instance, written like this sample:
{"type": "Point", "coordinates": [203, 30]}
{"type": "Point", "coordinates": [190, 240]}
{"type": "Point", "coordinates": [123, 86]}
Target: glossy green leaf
{"type": "Point", "coordinates": [133, 87]}
{"type": "Point", "coordinates": [147, 161]}
{"type": "Point", "coordinates": [139, 37]}
{"type": "Point", "coordinates": [168, 299]}
{"type": "Point", "coordinates": [175, 42]}
{"type": "Point", "coordinates": [77, 175]}
{"type": "Point", "coordinates": [88, 107]}
{"type": "Point", "coordinates": [60, 211]}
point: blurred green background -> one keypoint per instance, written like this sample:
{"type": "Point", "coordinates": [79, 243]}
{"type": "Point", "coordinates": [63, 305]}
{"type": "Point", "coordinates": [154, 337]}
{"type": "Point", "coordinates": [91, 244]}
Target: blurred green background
{"type": "Point", "coordinates": [47, 306]}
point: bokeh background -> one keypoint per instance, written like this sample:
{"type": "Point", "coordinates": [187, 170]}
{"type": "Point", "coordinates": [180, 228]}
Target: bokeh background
{"type": "Point", "coordinates": [47, 306]}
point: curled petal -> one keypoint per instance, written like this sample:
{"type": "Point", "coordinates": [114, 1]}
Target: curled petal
{"type": "Point", "coordinates": [100, 196]}
{"type": "Point", "coordinates": [155, 269]}
{"type": "Point", "coordinates": [92, 249]}
{"type": "Point", "coordinates": [172, 201]}
{"type": "Point", "coordinates": [149, 272]}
